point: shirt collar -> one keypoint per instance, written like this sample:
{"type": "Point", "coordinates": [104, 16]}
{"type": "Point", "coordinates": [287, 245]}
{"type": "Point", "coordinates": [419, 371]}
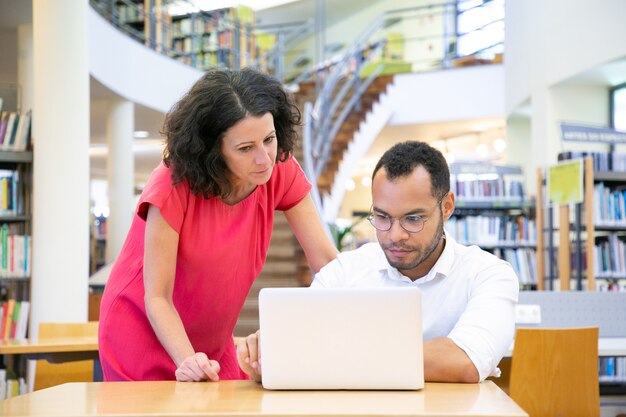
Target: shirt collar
{"type": "Point", "coordinates": [441, 268]}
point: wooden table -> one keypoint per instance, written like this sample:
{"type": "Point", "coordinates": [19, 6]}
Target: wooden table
{"type": "Point", "coordinates": [55, 350]}
{"type": "Point", "coordinates": [246, 398]}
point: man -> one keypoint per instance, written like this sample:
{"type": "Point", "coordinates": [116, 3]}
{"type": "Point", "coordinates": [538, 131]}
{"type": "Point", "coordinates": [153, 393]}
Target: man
{"type": "Point", "coordinates": [468, 294]}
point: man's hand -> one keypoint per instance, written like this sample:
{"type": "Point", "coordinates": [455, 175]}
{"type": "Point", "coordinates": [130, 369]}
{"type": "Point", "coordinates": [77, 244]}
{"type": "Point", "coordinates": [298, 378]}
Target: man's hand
{"type": "Point", "coordinates": [249, 355]}
{"type": "Point", "coordinates": [198, 367]}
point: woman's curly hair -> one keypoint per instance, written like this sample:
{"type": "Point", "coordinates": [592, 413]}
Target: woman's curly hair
{"type": "Point", "coordinates": [195, 126]}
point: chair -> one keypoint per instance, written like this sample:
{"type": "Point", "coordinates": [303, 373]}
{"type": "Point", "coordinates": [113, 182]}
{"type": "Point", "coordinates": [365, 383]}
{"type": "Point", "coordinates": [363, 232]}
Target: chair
{"type": "Point", "coordinates": [49, 374]}
{"type": "Point", "coordinates": [554, 372]}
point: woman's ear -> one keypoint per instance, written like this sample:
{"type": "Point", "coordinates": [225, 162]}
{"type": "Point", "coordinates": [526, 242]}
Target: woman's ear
{"type": "Point", "coordinates": [448, 205]}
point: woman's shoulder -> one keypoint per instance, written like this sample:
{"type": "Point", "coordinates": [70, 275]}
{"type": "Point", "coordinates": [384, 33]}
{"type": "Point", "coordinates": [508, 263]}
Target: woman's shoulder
{"type": "Point", "coordinates": [161, 178]}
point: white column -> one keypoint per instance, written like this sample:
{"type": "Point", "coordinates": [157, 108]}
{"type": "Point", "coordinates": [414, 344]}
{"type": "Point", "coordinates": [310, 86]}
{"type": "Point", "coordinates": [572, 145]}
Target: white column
{"type": "Point", "coordinates": [61, 162]}
{"type": "Point", "coordinates": [120, 173]}
{"type": "Point", "coordinates": [25, 66]}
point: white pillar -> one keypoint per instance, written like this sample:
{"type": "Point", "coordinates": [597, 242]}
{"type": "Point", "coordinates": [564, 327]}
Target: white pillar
{"type": "Point", "coordinates": [61, 162]}
{"type": "Point", "coordinates": [120, 173]}
{"type": "Point", "coordinates": [25, 66]}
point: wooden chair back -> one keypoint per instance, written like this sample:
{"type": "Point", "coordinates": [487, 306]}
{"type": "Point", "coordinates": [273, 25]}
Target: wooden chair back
{"type": "Point", "coordinates": [555, 372]}
{"type": "Point", "coordinates": [50, 374]}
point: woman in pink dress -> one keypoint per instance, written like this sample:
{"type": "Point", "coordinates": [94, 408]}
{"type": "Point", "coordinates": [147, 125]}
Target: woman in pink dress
{"type": "Point", "coordinates": [201, 231]}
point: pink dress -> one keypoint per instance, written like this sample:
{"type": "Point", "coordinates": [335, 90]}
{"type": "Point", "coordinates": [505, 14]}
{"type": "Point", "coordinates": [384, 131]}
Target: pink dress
{"type": "Point", "coordinates": [221, 251]}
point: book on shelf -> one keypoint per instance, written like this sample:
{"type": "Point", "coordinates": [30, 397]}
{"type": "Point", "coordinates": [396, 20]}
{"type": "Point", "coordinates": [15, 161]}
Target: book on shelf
{"type": "Point", "coordinates": [14, 319]}
{"type": "Point", "coordinates": [15, 253]}
{"type": "Point", "coordinates": [487, 230]}
{"type": "Point", "coordinates": [523, 261]}
{"type": "Point", "coordinates": [9, 131]}
{"type": "Point", "coordinates": [4, 120]}
{"type": "Point", "coordinates": [609, 205]}
{"type": "Point", "coordinates": [11, 385]}
{"type": "Point", "coordinates": [486, 182]}
{"type": "Point", "coordinates": [612, 369]}
{"type": "Point", "coordinates": [602, 161]}
{"type": "Point", "coordinates": [15, 131]}
{"type": "Point", "coordinates": [610, 257]}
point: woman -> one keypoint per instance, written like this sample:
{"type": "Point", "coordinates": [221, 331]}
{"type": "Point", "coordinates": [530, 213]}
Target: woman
{"type": "Point", "coordinates": [202, 229]}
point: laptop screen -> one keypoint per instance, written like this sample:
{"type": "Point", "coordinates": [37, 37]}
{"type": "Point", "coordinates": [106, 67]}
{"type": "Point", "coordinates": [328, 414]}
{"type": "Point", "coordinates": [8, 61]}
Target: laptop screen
{"type": "Point", "coordinates": [343, 338]}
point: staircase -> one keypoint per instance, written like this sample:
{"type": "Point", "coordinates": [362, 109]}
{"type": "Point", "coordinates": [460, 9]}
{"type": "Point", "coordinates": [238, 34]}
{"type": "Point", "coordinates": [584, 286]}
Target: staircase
{"type": "Point", "coordinates": [286, 265]}
{"type": "Point", "coordinates": [349, 127]}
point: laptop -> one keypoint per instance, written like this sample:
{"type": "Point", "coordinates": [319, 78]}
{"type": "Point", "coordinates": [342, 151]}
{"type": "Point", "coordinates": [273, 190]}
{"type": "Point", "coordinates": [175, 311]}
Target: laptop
{"type": "Point", "coordinates": [341, 338]}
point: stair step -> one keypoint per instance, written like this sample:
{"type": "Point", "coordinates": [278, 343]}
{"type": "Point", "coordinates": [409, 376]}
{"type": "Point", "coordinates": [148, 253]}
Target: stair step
{"type": "Point", "coordinates": [245, 327]}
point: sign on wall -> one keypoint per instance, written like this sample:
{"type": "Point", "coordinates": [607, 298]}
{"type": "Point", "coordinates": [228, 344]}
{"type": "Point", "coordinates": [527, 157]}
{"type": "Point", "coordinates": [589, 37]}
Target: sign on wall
{"type": "Point", "coordinates": [581, 133]}
{"type": "Point", "coordinates": [565, 182]}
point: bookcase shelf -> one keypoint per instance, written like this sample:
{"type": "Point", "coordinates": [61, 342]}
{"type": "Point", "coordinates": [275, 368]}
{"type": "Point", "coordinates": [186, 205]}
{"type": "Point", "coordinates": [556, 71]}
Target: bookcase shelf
{"type": "Point", "coordinates": [11, 156]}
{"type": "Point", "coordinates": [598, 252]}
{"type": "Point", "coordinates": [492, 212]}
{"type": "Point", "coordinates": [15, 230]}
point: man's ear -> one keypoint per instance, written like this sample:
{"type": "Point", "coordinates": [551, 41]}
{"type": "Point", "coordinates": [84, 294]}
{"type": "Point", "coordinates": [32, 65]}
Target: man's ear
{"type": "Point", "coordinates": [447, 205]}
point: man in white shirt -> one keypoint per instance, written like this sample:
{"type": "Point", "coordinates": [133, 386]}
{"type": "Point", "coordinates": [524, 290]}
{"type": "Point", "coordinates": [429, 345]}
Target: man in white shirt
{"type": "Point", "coordinates": [468, 294]}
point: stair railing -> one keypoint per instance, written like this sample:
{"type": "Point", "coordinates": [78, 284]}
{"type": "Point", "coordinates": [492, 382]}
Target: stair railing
{"type": "Point", "coordinates": [288, 36]}
{"type": "Point", "coordinates": [340, 79]}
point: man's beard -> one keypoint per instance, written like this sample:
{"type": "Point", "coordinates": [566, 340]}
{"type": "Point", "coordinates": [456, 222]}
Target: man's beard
{"type": "Point", "coordinates": [422, 255]}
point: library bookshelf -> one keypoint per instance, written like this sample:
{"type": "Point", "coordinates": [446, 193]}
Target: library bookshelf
{"type": "Point", "coordinates": [493, 212]}
{"type": "Point", "coordinates": [15, 258]}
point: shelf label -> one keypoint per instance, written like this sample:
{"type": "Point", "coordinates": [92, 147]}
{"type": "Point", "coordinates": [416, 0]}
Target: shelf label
{"type": "Point", "coordinates": [565, 182]}
{"type": "Point", "coordinates": [581, 133]}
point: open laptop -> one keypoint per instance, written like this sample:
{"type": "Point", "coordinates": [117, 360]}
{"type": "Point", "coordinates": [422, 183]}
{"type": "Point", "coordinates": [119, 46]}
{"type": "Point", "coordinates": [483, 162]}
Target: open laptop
{"type": "Point", "coordinates": [342, 338]}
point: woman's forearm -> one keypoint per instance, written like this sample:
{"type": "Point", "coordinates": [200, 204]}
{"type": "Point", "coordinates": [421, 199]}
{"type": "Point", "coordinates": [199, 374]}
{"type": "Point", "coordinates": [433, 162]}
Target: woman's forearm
{"type": "Point", "coordinates": [169, 328]}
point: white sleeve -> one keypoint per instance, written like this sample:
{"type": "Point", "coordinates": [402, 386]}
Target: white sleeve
{"type": "Point", "coordinates": [332, 275]}
{"type": "Point", "coordinates": [486, 328]}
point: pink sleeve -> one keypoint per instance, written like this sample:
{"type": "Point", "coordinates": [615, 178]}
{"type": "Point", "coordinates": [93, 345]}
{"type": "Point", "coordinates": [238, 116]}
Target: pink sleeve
{"type": "Point", "coordinates": [171, 200]}
{"type": "Point", "coordinates": [291, 184]}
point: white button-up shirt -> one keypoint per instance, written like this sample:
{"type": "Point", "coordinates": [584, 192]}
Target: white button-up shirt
{"type": "Point", "coordinates": [469, 296]}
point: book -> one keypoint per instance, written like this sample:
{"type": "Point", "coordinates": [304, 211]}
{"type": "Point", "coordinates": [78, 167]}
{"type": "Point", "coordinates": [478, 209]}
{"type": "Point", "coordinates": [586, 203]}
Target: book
{"type": "Point", "coordinates": [4, 119]}
{"type": "Point", "coordinates": [8, 134]}
{"type": "Point", "coordinates": [8, 318]}
{"type": "Point", "coordinates": [22, 320]}
{"type": "Point", "coordinates": [23, 133]}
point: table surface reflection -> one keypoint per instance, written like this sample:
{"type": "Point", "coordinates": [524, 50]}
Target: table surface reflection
{"type": "Point", "coordinates": [246, 398]}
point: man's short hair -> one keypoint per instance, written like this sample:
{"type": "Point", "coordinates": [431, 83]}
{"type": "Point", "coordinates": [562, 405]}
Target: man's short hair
{"type": "Point", "coordinates": [401, 159]}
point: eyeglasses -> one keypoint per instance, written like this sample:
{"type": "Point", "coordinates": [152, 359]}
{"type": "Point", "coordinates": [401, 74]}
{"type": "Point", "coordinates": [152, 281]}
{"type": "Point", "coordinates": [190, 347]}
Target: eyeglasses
{"type": "Point", "coordinates": [412, 223]}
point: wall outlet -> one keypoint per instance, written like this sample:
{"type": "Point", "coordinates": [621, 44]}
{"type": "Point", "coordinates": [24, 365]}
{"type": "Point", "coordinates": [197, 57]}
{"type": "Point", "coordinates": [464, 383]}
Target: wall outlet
{"type": "Point", "coordinates": [528, 314]}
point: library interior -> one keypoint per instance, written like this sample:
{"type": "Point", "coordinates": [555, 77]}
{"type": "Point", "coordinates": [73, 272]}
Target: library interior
{"type": "Point", "coordinates": [531, 123]}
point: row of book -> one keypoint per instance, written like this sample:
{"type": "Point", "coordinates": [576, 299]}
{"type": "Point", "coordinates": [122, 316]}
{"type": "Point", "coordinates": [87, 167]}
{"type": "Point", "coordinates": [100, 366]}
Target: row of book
{"type": "Point", "coordinates": [523, 261]}
{"type": "Point", "coordinates": [485, 230]}
{"type": "Point", "coordinates": [15, 253]}
{"type": "Point", "coordinates": [609, 205]}
{"type": "Point", "coordinates": [618, 285]}
{"type": "Point", "coordinates": [11, 385]}
{"type": "Point", "coordinates": [612, 369]}
{"type": "Point", "coordinates": [219, 58]}
{"type": "Point", "coordinates": [14, 130]}
{"type": "Point", "coordinates": [14, 319]}
{"type": "Point", "coordinates": [467, 186]}
{"type": "Point", "coordinates": [10, 203]}
{"type": "Point", "coordinates": [197, 45]}
{"type": "Point", "coordinates": [602, 161]}
{"type": "Point", "coordinates": [610, 257]}
{"type": "Point", "coordinates": [129, 13]}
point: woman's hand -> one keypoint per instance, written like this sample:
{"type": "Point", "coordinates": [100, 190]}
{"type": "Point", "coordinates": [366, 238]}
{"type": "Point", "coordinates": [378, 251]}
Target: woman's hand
{"type": "Point", "coordinates": [198, 367]}
{"type": "Point", "coordinates": [249, 355]}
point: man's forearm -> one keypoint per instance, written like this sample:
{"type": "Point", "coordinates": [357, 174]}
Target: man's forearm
{"type": "Point", "coordinates": [444, 361]}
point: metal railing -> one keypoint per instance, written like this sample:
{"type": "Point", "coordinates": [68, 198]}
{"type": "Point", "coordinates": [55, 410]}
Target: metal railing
{"type": "Point", "coordinates": [397, 41]}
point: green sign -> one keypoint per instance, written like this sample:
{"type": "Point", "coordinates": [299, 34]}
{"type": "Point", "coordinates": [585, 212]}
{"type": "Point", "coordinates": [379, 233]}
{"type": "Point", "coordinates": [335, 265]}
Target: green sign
{"type": "Point", "coordinates": [565, 182]}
